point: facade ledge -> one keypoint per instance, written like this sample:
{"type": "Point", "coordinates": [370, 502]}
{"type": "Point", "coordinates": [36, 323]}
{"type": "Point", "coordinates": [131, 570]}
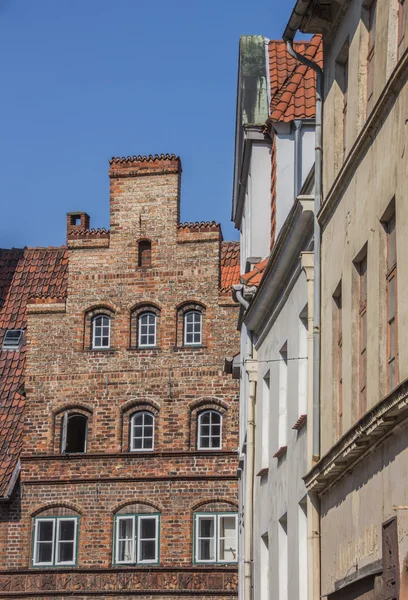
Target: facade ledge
{"type": "Point", "coordinates": [359, 441]}
{"type": "Point", "coordinates": [300, 422]}
{"type": "Point", "coordinates": [282, 450]}
{"type": "Point", "coordinates": [262, 472]}
{"type": "Point", "coordinates": [370, 130]}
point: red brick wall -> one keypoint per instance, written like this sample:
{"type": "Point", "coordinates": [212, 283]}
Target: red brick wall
{"type": "Point", "coordinates": [174, 381]}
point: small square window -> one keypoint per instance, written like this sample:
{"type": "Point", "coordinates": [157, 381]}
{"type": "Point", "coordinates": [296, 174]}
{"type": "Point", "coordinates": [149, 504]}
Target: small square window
{"type": "Point", "coordinates": [13, 339]}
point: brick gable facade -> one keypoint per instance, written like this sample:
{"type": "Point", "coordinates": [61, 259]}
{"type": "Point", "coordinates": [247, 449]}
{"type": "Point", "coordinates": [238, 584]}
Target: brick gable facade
{"type": "Point", "coordinates": [172, 381]}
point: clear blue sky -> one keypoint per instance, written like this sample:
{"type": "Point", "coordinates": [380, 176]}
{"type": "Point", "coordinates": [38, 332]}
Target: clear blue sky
{"type": "Point", "coordinates": [85, 80]}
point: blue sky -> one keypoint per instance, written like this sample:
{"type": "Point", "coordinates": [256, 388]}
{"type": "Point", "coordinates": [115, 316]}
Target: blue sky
{"type": "Point", "coordinates": [85, 80]}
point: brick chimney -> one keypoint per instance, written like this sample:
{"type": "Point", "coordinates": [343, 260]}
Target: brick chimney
{"type": "Point", "coordinates": [77, 221]}
{"type": "Point", "coordinates": [144, 198]}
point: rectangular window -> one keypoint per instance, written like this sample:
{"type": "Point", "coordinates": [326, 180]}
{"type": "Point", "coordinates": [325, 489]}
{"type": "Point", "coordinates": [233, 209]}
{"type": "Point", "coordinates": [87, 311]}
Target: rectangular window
{"type": "Point", "coordinates": [392, 307]}
{"type": "Point", "coordinates": [13, 339]}
{"type": "Point", "coordinates": [402, 15]}
{"type": "Point", "coordinates": [147, 329]}
{"type": "Point", "coordinates": [363, 334]}
{"type": "Point", "coordinates": [283, 392]}
{"type": "Point", "coordinates": [55, 541]}
{"type": "Point", "coordinates": [283, 557]}
{"type": "Point", "coordinates": [216, 538]}
{"type": "Point", "coordinates": [339, 353]}
{"type": "Point", "coordinates": [302, 364]}
{"type": "Point", "coordinates": [136, 539]}
{"type": "Point", "coordinates": [192, 328]}
{"type": "Point", "coordinates": [264, 575]}
{"type": "Point", "coordinates": [372, 18]}
{"type": "Point", "coordinates": [266, 395]}
{"type": "Point", "coordinates": [303, 570]}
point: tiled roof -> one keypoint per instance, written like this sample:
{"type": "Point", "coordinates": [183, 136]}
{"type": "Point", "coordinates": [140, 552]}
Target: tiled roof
{"type": "Point", "coordinates": [144, 158]}
{"type": "Point", "coordinates": [199, 225]}
{"type": "Point", "coordinates": [230, 266]}
{"type": "Point", "coordinates": [30, 272]}
{"type": "Point", "coordinates": [254, 277]}
{"type": "Point", "coordinates": [293, 84]}
{"type": "Point", "coordinates": [89, 232]}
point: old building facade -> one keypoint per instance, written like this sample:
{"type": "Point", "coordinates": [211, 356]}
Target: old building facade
{"type": "Point", "coordinates": [273, 208]}
{"type": "Point", "coordinates": [361, 467]}
{"type": "Point", "coordinates": [127, 480]}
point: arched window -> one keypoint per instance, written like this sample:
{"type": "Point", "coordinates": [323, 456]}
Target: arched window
{"type": "Point", "coordinates": [145, 254]}
{"type": "Point", "coordinates": [147, 329]}
{"type": "Point", "coordinates": [142, 431]}
{"type": "Point", "coordinates": [192, 328]}
{"type": "Point", "coordinates": [136, 535]}
{"type": "Point", "coordinates": [74, 433]}
{"type": "Point", "coordinates": [209, 430]}
{"type": "Point", "coordinates": [101, 331]}
{"type": "Point", "coordinates": [55, 538]}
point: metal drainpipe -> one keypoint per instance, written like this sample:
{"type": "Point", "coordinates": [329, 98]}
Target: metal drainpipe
{"type": "Point", "coordinates": [251, 367]}
{"type": "Point", "coordinates": [317, 204]}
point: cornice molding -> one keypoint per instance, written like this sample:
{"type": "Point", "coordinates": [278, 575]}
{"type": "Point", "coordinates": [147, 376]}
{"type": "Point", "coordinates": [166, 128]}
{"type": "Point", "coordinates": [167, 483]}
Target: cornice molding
{"type": "Point", "coordinates": [359, 441]}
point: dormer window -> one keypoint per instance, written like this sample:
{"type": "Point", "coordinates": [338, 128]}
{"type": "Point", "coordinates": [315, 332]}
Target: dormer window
{"type": "Point", "coordinates": [145, 254]}
{"type": "Point", "coordinates": [13, 339]}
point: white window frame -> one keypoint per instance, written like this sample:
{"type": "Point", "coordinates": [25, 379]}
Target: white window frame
{"type": "Point", "coordinates": [216, 517]}
{"type": "Point", "coordinates": [55, 541]}
{"type": "Point", "coordinates": [147, 313]}
{"type": "Point", "coordinates": [199, 447]}
{"type": "Point", "coordinates": [94, 345]}
{"type": "Point", "coordinates": [141, 412]}
{"type": "Point", "coordinates": [193, 312]}
{"type": "Point", "coordinates": [136, 538]}
{"type": "Point", "coordinates": [65, 419]}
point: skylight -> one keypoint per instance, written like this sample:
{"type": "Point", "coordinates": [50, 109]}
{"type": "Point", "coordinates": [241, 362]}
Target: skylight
{"type": "Point", "coordinates": [13, 339]}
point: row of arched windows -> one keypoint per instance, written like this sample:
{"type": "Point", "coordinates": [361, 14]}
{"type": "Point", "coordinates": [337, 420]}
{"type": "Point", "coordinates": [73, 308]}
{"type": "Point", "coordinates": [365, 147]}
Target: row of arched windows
{"type": "Point", "coordinates": [136, 536]}
{"type": "Point", "coordinates": [145, 328]}
{"type": "Point", "coordinates": [74, 431]}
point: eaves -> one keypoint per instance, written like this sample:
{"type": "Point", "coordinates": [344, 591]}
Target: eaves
{"type": "Point", "coordinates": [293, 238]}
{"type": "Point", "coordinates": [359, 441]}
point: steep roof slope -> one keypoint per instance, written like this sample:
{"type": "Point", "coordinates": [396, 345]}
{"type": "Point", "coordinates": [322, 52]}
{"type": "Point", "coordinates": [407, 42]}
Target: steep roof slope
{"type": "Point", "coordinates": [293, 84]}
{"type": "Point", "coordinates": [230, 263]}
{"type": "Point", "coordinates": [23, 273]}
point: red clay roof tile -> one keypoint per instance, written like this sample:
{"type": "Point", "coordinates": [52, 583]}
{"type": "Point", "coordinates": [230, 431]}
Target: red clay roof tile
{"type": "Point", "coordinates": [230, 265]}
{"type": "Point", "coordinates": [23, 273]}
{"type": "Point", "coordinates": [254, 276]}
{"type": "Point", "coordinates": [293, 84]}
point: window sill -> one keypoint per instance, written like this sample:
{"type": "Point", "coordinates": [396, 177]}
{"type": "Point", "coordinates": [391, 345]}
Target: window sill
{"type": "Point", "coordinates": [189, 348]}
{"type": "Point", "coordinates": [282, 450]}
{"type": "Point", "coordinates": [145, 350]}
{"type": "Point", "coordinates": [300, 422]}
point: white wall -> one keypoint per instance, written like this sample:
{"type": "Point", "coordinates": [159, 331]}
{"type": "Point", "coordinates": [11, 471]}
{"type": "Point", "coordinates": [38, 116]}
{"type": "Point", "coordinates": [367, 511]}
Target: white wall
{"type": "Point", "coordinates": [278, 494]}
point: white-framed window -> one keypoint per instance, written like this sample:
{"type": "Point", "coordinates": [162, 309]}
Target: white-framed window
{"type": "Point", "coordinates": [55, 541]}
{"type": "Point", "coordinates": [142, 431]}
{"type": "Point", "coordinates": [215, 538]}
{"type": "Point", "coordinates": [193, 328]}
{"type": "Point", "coordinates": [101, 330]}
{"type": "Point", "coordinates": [147, 329]}
{"type": "Point", "coordinates": [209, 430]}
{"type": "Point", "coordinates": [13, 339]}
{"type": "Point", "coordinates": [136, 539]}
{"type": "Point", "coordinates": [74, 433]}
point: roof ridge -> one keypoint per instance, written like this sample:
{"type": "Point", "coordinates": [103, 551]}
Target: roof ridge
{"type": "Point", "coordinates": [143, 158]}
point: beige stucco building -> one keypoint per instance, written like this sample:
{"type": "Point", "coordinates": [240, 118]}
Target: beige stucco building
{"type": "Point", "coordinates": [361, 470]}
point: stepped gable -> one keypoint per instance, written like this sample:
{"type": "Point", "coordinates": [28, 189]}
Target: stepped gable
{"type": "Point", "coordinates": [293, 84]}
{"type": "Point", "coordinates": [24, 273]}
{"type": "Point", "coordinates": [230, 265]}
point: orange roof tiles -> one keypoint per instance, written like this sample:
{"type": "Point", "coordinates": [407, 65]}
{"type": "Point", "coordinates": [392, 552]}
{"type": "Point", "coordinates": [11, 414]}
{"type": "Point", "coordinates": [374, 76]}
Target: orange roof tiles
{"type": "Point", "coordinates": [293, 84]}
{"type": "Point", "coordinates": [254, 276]}
{"type": "Point", "coordinates": [23, 273]}
{"type": "Point", "coordinates": [230, 265]}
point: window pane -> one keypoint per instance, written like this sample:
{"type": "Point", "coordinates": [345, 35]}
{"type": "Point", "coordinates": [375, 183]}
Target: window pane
{"type": "Point", "coordinates": [206, 550]}
{"type": "Point", "coordinates": [147, 550]}
{"type": "Point", "coordinates": [215, 441]}
{"type": "Point", "coordinates": [125, 551]}
{"type": "Point", "coordinates": [44, 552]}
{"type": "Point", "coordinates": [148, 528]}
{"type": "Point", "coordinates": [66, 530]}
{"type": "Point", "coordinates": [205, 418]}
{"type": "Point", "coordinates": [391, 298]}
{"type": "Point", "coordinates": [204, 442]}
{"type": "Point", "coordinates": [228, 538]}
{"type": "Point", "coordinates": [45, 530]}
{"type": "Point", "coordinates": [206, 527]}
{"type": "Point", "coordinates": [65, 552]}
{"type": "Point", "coordinates": [125, 533]}
{"type": "Point", "coordinates": [391, 329]}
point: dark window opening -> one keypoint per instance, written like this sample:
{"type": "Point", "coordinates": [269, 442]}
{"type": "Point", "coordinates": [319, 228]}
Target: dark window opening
{"type": "Point", "coordinates": [75, 220]}
{"type": "Point", "coordinates": [74, 433]}
{"type": "Point", "coordinates": [145, 254]}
